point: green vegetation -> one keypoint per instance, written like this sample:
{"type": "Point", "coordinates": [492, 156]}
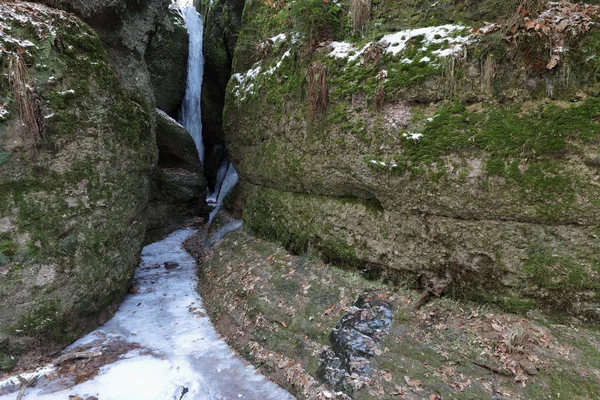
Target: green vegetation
{"type": "Point", "coordinates": [48, 322]}
{"type": "Point", "coordinates": [317, 19]}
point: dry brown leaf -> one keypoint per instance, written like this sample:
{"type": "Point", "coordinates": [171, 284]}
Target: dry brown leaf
{"type": "Point", "coordinates": [387, 375]}
{"type": "Point", "coordinates": [400, 391]}
{"type": "Point", "coordinates": [553, 61]}
{"type": "Point", "coordinates": [329, 309]}
{"type": "Point", "coordinates": [562, 25]}
{"type": "Point", "coordinates": [529, 24]}
{"type": "Point", "coordinates": [412, 383]}
{"type": "Point", "coordinates": [497, 328]}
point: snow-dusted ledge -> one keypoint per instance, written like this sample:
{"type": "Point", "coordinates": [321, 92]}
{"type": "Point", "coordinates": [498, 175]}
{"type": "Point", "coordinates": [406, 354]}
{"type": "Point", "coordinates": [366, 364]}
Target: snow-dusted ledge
{"type": "Point", "coordinates": [448, 36]}
{"type": "Point", "coordinates": [179, 355]}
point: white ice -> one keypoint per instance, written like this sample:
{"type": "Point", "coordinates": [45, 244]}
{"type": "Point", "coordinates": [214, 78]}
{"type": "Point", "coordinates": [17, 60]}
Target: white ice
{"type": "Point", "coordinates": [181, 355]}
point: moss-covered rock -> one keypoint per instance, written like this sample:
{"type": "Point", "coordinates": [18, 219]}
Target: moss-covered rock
{"type": "Point", "coordinates": [178, 187]}
{"type": "Point", "coordinates": [430, 152]}
{"type": "Point", "coordinates": [125, 27]}
{"type": "Point", "coordinates": [222, 23]}
{"type": "Point", "coordinates": [167, 57]}
{"type": "Point", "coordinates": [74, 187]}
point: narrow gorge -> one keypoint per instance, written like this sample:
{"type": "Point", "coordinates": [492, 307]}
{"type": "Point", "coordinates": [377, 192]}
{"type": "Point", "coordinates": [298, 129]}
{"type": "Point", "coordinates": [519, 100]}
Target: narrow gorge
{"type": "Point", "coordinates": [380, 199]}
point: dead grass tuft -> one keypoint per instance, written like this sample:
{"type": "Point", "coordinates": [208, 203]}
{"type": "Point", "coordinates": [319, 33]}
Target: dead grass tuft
{"type": "Point", "coordinates": [27, 101]}
{"type": "Point", "coordinates": [317, 88]}
{"type": "Point", "coordinates": [360, 12]}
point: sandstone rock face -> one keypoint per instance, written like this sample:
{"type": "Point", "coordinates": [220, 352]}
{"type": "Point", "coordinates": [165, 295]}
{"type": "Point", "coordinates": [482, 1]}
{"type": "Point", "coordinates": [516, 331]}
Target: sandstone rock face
{"type": "Point", "coordinates": [76, 153]}
{"type": "Point", "coordinates": [166, 58]}
{"type": "Point", "coordinates": [178, 190]}
{"type": "Point", "coordinates": [421, 157]}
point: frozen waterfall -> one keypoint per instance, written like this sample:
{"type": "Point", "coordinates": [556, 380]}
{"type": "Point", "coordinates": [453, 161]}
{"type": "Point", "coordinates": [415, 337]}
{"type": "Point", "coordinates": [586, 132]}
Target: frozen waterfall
{"type": "Point", "coordinates": [191, 117]}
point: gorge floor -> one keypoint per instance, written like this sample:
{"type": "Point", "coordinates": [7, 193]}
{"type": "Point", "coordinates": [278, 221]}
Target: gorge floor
{"type": "Point", "coordinates": [159, 345]}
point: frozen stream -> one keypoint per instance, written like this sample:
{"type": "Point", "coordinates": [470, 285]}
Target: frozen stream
{"type": "Point", "coordinates": [173, 351]}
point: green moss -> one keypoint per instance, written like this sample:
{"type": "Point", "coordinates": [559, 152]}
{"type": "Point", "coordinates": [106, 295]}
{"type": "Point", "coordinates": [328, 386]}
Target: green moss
{"type": "Point", "coordinates": [5, 157]}
{"type": "Point", "coordinates": [507, 303]}
{"type": "Point", "coordinates": [551, 271]}
{"type": "Point", "coordinates": [46, 322]}
{"type": "Point", "coordinates": [8, 355]}
{"type": "Point", "coordinates": [7, 246]}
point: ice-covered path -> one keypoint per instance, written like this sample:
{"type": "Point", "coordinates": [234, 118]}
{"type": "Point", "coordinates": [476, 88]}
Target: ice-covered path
{"type": "Point", "coordinates": [178, 353]}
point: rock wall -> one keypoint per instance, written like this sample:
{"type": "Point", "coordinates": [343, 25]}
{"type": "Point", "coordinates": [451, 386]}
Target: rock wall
{"type": "Point", "coordinates": [147, 43]}
{"type": "Point", "coordinates": [461, 153]}
{"type": "Point", "coordinates": [76, 153]}
{"type": "Point", "coordinates": [167, 57]}
{"type": "Point", "coordinates": [222, 23]}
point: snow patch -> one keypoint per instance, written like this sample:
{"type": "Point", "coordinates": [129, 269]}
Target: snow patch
{"type": "Point", "coordinates": [433, 35]}
{"type": "Point", "coordinates": [278, 38]}
{"type": "Point", "coordinates": [397, 42]}
{"type": "Point", "coordinates": [272, 70]}
{"type": "Point", "coordinates": [412, 135]}
{"type": "Point", "coordinates": [245, 86]}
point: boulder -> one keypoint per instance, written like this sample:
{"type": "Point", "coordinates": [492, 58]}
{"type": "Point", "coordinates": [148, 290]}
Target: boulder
{"type": "Point", "coordinates": [178, 189]}
{"type": "Point", "coordinates": [76, 153]}
{"type": "Point", "coordinates": [166, 58]}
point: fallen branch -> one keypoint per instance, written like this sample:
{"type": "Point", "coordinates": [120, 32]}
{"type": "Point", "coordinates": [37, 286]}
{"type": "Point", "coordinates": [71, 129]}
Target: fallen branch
{"type": "Point", "coordinates": [25, 383]}
{"type": "Point", "coordinates": [434, 287]}
{"type": "Point", "coordinates": [76, 356]}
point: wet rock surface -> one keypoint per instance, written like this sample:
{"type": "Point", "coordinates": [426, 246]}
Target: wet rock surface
{"type": "Point", "coordinates": [178, 186]}
{"type": "Point", "coordinates": [354, 341]}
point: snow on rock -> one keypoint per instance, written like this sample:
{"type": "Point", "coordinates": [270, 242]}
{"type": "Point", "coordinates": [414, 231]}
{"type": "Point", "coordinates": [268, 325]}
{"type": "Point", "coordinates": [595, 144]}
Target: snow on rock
{"type": "Point", "coordinates": [412, 135]}
{"type": "Point", "coordinates": [396, 42]}
{"type": "Point", "coordinates": [179, 354]}
{"type": "Point", "coordinates": [433, 35]}
{"type": "Point", "coordinates": [245, 85]}
{"type": "Point", "coordinates": [168, 118]}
